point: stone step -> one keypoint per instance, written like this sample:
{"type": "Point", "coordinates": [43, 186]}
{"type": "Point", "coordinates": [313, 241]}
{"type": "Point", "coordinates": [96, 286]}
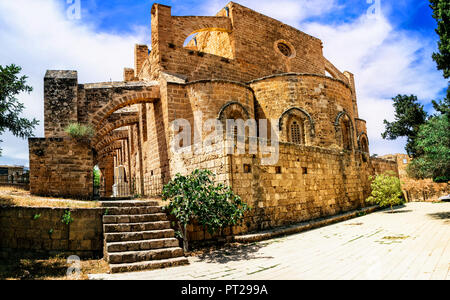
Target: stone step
{"type": "Point", "coordinates": [130, 203]}
{"type": "Point", "coordinates": [134, 218]}
{"type": "Point", "coordinates": [149, 265]}
{"type": "Point", "coordinates": [142, 245]}
{"type": "Point", "coordinates": [133, 227]}
{"type": "Point", "coordinates": [139, 235]}
{"type": "Point", "coordinates": [147, 255]}
{"type": "Point", "coordinates": [141, 210]}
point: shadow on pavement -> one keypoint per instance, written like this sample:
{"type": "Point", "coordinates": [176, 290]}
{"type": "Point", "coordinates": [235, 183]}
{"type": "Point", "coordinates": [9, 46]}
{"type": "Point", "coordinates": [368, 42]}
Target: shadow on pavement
{"type": "Point", "coordinates": [233, 253]}
{"type": "Point", "coordinates": [441, 216]}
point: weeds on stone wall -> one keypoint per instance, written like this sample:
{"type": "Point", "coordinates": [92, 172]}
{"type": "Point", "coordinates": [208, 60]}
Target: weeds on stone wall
{"type": "Point", "coordinates": [80, 132]}
{"type": "Point", "coordinates": [67, 218]}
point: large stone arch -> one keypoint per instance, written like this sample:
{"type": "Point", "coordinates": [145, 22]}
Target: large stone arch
{"type": "Point", "coordinates": [114, 146]}
{"type": "Point", "coordinates": [147, 94]}
{"type": "Point", "coordinates": [128, 121]}
{"type": "Point", "coordinates": [188, 25]}
{"type": "Point", "coordinates": [111, 137]}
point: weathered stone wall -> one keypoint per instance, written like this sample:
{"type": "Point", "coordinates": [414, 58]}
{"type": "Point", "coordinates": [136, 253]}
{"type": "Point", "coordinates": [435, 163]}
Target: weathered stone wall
{"type": "Point", "coordinates": [306, 183]}
{"type": "Point", "coordinates": [418, 189]}
{"type": "Point", "coordinates": [322, 98]}
{"type": "Point", "coordinates": [60, 101]}
{"type": "Point", "coordinates": [60, 167]}
{"type": "Point", "coordinates": [254, 39]}
{"type": "Point", "coordinates": [47, 235]}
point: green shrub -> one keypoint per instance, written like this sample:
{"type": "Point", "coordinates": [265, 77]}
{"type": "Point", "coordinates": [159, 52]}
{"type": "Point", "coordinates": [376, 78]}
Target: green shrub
{"type": "Point", "coordinates": [79, 131]}
{"type": "Point", "coordinates": [197, 198]}
{"type": "Point", "coordinates": [386, 190]}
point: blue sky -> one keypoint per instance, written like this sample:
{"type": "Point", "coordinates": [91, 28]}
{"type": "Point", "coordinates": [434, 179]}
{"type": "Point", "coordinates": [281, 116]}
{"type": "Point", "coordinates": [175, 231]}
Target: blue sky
{"type": "Point", "coordinates": [389, 54]}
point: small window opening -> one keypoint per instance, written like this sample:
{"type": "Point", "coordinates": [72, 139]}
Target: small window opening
{"type": "Point", "coordinates": [278, 170]}
{"type": "Point", "coordinates": [247, 168]}
{"type": "Point", "coordinates": [304, 171]}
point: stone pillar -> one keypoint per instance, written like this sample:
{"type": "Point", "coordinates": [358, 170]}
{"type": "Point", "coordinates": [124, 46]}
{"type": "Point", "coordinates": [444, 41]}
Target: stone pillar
{"type": "Point", "coordinates": [351, 80]}
{"type": "Point", "coordinates": [60, 102]}
{"type": "Point", "coordinates": [140, 56]}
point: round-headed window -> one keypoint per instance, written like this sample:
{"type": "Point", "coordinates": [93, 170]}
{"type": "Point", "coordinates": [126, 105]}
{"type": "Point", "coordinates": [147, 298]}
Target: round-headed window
{"type": "Point", "coordinates": [285, 49]}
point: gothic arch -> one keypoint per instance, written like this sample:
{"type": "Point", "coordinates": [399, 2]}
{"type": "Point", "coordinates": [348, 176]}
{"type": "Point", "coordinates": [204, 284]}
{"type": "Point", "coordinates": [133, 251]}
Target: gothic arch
{"type": "Point", "coordinates": [227, 106]}
{"type": "Point", "coordinates": [302, 111]}
{"type": "Point", "coordinates": [115, 125]}
{"type": "Point", "coordinates": [111, 137]}
{"type": "Point", "coordinates": [150, 94]}
{"type": "Point", "coordinates": [363, 142]}
{"type": "Point", "coordinates": [345, 135]}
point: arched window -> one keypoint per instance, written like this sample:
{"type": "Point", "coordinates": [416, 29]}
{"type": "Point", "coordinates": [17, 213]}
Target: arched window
{"type": "Point", "coordinates": [344, 130]}
{"type": "Point", "coordinates": [296, 135]}
{"type": "Point", "coordinates": [346, 135]}
{"type": "Point", "coordinates": [296, 126]}
{"type": "Point", "coordinates": [364, 145]}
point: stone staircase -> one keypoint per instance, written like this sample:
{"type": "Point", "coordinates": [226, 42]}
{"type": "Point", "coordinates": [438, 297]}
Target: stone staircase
{"type": "Point", "coordinates": [137, 236]}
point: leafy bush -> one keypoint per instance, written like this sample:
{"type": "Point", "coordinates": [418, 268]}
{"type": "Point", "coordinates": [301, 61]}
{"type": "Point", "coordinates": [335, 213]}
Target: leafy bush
{"type": "Point", "coordinates": [386, 190]}
{"type": "Point", "coordinates": [197, 198]}
{"type": "Point", "coordinates": [79, 131]}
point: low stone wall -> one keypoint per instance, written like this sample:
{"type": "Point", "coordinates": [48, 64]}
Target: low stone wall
{"type": "Point", "coordinates": [60, 167]}
{"type": "Point", "coordinates": [41, 232]}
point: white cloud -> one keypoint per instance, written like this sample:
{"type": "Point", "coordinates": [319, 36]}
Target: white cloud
{"type": "Point", "coordinates": [386, 62]}
{"type": "Point", "coordinates": [291, 12]}
{"type": "Point", "coordinates": [38, 36]}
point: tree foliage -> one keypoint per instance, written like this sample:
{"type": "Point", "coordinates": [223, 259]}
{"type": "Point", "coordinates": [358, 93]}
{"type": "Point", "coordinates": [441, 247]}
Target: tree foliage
{"type": "Point", "coordinates": [441, 13]}
{"type": "Point", "coordinates": [409, 116]}
{"type": "Point", "coordinates": [433, 141]}
{"type": "Point", "coordinates": [196, 198]}
{"type": "Point", "coordinates": [10, 108]}
{"type": "Point", "coordinates": [386, 190]}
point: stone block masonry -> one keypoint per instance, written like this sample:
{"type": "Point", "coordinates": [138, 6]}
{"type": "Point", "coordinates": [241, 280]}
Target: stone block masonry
{"type": "Point", "coordinates": [240, 65]}
{"type": "Point", "coordinates": [40, 231]}
{"type": "Point", "coordinates": [60, 167]}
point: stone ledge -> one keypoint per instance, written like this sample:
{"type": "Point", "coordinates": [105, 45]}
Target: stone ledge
{"type": "Point", "coordinates": [304, 226]}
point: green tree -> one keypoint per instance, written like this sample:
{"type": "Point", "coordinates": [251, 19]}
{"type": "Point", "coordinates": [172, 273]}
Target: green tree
{"type": "Point", "coordinates": [433, 140]}
{"type": "Point", "coordinates": [386, 190]}
{"type": "Point", "coordinates": [196, 198]}
{"type": "Point", "coordinates": [441, 13]}
{"type": "Point", "coordinates": [10, 108]}
{"type": "Point", "coordinates": [409, 115]}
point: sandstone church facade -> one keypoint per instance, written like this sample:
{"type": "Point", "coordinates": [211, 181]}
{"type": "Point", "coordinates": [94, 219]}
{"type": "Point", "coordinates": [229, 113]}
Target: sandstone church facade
{"type": "Point", "coordinates": [238, 64]}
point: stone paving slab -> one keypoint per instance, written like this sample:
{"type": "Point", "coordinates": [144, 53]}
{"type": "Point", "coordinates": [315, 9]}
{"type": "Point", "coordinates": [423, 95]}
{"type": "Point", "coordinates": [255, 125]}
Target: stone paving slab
{"type": "Point", "coordinates": [412, 242]}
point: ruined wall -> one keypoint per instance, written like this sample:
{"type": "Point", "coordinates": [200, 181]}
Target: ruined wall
{"type": "Point", "coordinates": [47, 235]}
{"type": "Point", "coordinates": [416, 190]}
{"type": "Point", "coordinates": [60, 101]}
{"type": "Point", "coordinates": [254, 40]}
{"type": "Point", "coordinates": [60, 167]}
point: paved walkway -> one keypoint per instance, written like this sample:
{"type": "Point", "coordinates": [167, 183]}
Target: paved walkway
{"type": "Point", "coordinates": [411, 243]}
